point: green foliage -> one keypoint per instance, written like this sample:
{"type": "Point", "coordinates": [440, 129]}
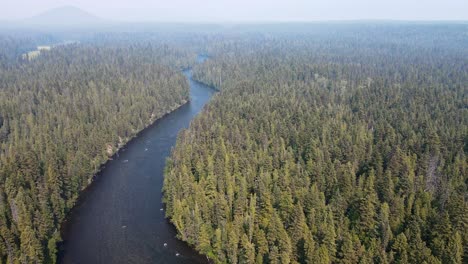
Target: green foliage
{"type": "Point", "coordinates": [61, 116]}
{"type": "Point", "coordinates": [330, 148]}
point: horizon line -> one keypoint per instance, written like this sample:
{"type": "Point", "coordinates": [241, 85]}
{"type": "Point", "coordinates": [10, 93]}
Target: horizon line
{"type": "Point", "coordinates": [108, 20]}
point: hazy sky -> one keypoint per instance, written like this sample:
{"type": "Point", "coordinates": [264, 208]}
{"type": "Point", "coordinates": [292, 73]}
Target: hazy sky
{"type": "Point", "coordinates": [247, 10]}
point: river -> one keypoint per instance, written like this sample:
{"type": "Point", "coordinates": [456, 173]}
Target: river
{"type": "Point", "coordinates": [119, 217]}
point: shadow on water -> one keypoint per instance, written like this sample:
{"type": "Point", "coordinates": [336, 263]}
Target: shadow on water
{"type": "Point", "coordinates": [119, 218]}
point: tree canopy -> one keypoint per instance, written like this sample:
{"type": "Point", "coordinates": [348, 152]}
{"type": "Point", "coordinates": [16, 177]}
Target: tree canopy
{"type": "Point", "coordinates": [62, 114]}
{"type": "Point", "coordinates": [328, 148]}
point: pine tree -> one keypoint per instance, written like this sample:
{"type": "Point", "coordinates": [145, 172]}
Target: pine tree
{"type": "Point", "coordinates": [367, 226]}
{"type": "Point", "coordinates": [310, 249]}
{"type": "Point", "coordinates": [400, 248]}
{"type": "Point", "coordinates": [30, 246]}
{"type": "Point", "coordinates": [203, 242]}
{"type": "Point", "coordinates": [247, 251]}
{"type": "Point", "coordinates": [385, 231]}
{"type": "Point", "coordinates": [232, 246]}
{"type": "Point", "coordinates": [298, 231]}
{"type": "Point", "coordinates": [454, 253]}
{"type": "Point", "coordinates": [351, 249]}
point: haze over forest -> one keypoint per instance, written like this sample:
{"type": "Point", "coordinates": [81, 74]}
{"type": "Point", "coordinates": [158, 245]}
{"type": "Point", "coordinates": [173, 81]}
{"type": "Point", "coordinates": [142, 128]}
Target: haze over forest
{"type": "Point", "coordinates": [245, 10]}
{"type": "Point", "coordinates": [266, 131]}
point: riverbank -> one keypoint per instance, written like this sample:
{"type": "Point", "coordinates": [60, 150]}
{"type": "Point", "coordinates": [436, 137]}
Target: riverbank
{"type": "Point", "coordinates": [96, 175]}
{"type": "Point", "coordinates": [119, 218]}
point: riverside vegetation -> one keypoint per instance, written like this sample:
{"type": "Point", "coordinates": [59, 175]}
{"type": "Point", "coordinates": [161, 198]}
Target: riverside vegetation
{"type": "Point", "coordinates": [343, 145]}
{"type": "Point", "coordinates": [61, 115]}
{"type": "Point", "coordinates": [338, 143]}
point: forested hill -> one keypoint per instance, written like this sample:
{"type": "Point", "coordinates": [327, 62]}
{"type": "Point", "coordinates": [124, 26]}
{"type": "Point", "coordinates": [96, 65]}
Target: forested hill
{"type": "Point", "coordinates": [328, 148]}
{"type": "Point", "coordinates": [61, 115]}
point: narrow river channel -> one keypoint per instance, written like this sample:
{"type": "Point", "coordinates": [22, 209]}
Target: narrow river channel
{"type": "Point", "coordinates": [119, 218]}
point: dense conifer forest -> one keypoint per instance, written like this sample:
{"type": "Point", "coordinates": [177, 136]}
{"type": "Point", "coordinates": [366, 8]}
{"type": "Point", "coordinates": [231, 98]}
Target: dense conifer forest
{"type": "Point", "coordinates": [342, 145]}
{"type": "Point", "coordinates": [62, 114]}
{"type": "Point", "coordinates": [327, 143]}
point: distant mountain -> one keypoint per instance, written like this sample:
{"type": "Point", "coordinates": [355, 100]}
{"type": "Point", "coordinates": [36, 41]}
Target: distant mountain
{"type": "Point", "coordinates": [64, 16]}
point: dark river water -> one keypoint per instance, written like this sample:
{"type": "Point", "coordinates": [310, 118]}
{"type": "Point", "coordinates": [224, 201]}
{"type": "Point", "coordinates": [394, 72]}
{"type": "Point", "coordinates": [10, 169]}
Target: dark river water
{"type": "Point", "coordinates": [119, 218]}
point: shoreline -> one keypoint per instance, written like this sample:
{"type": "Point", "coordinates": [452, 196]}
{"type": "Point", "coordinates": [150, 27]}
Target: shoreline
{"type": "Point", "coordinates": [64, 225]}
{"type": "Point", "coordinates": [169, 219]}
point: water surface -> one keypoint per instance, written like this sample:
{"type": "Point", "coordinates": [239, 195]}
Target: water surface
{"type": "Point", "coordinates": [119, 218]}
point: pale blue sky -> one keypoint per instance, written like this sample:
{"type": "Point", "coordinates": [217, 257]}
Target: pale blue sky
{"type": "Point", "coordinates": [247, 10]}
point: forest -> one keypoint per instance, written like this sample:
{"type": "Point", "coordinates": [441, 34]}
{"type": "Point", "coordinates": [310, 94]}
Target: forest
{"type": "Point", "coordinates": [62, 115]}
{"type": "Point", "coordinates": [342, 145]}
{"type": "Point", "coordinates": [326, 143]}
